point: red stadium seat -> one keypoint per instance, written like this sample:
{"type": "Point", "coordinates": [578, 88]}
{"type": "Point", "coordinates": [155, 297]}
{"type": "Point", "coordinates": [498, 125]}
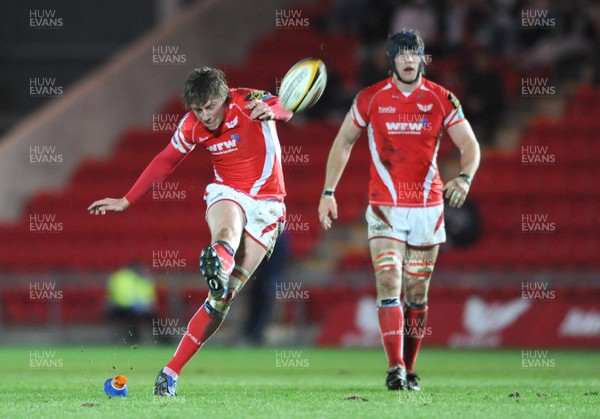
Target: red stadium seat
{"type": "Point", "coordinates": [20, 306]}
{"type": "Point", "coordinates": [83, 305]}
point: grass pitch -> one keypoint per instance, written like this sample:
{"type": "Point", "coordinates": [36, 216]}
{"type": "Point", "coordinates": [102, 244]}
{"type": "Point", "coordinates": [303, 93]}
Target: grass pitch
{"type": "Point", "coordinates": [63, 382]}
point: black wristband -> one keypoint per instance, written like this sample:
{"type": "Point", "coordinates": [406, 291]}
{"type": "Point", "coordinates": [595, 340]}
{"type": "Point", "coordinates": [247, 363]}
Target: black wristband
{"type": "Point", "coordinates": [465, 176]}
{"type": "Point", "coordinates": [328, 192]}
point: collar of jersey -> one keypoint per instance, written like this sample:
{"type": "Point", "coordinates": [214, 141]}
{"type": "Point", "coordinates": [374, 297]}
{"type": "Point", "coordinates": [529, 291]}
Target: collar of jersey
{"type": "Point", "coordinates": [410, 98]}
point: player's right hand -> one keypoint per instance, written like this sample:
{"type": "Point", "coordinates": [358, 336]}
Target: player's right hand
{"type": "Point", "coordinates": [327, 208]}
{"type": "Point", "coordinates": [108, 204]}
{"type": "Point", "coordinates": [260, 111]}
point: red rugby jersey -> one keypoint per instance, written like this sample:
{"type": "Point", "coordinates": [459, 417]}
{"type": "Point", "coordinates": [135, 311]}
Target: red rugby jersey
{"type": "Point", "coordinates": [404, 136]}
{"type": "Point", "coordinates": [246, 154]}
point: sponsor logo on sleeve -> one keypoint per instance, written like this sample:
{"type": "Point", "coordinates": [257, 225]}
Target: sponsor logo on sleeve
{"type": "Point", "coordinates": [258, 95]}
{"type": "Point", "coordinates": [454, 100]}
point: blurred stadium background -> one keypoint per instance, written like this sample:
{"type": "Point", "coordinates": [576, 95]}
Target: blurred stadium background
{"type": "Point", "coordinates": [89, 93]}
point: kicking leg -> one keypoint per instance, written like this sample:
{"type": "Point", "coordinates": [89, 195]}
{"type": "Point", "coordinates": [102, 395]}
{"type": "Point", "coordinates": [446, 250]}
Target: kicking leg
{"type": "Point", "coordinates": [209, 317]}
{"type": "Point", "coordinates": [226, 222]}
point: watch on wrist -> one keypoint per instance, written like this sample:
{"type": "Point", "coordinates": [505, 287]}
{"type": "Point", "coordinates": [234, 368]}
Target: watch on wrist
{"type": "Point", "coordinates": [465, 177]}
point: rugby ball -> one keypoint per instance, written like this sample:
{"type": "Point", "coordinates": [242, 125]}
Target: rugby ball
{"type": "Point", "coordinates": [303, 85]}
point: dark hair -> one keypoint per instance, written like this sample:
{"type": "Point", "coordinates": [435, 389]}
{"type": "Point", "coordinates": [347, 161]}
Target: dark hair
{"type": "Point", "coordinates": [203, 84]}
{"type": "Point", "coordinates": [404, 40]}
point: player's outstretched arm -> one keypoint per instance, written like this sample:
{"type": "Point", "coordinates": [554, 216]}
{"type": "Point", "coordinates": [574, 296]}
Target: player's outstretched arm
{"type": "Point", "coordinates": [159, 168]}
{"type": "Point", "coordinates": [463, 137]}
{"type": "Point", "coordinates": [336, 163]}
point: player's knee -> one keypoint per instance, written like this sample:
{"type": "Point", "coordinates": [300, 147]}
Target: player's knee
{"type": "Point", "coordinates": [226, 234]}
{"type": "Point", "coordinates": [217, 308]}
{"type": "Point", "coordinates": [212, 309]}
{"type": "Point", "coordinates": [388, 281]}
{"type": "Point", "coordinates": [416, 292]}
{"type": "Point", "coordinates": [387, 266]}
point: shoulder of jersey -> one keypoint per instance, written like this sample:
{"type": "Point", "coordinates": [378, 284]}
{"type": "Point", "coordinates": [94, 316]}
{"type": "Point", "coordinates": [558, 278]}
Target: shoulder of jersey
{"type": "Point", "coordinates": [434, 87]}
{"type": "Point", "coordinates": [189, 125]}
{"type": "Point", "coordinates": [443, 93]}
{"type": "Point", "coordinates": [373, 89]}
{"type": "Point", "coordinates": [188, 121]}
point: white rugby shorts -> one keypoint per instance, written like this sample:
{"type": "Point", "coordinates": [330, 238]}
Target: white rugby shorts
{"type": "Point", "coordinates": [419, 227]}
{"type": "Point", "coordinates": [265, 218]}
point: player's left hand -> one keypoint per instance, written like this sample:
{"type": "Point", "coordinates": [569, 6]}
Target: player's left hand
{"type": "Point", "coordinates": [456, 191]}
{"type": "Point", "coordinates": [108, 204]}
{"type": "Point", "coordinates": [327, 211]}
{"type": "Point", "coordinates": [260, 111]}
